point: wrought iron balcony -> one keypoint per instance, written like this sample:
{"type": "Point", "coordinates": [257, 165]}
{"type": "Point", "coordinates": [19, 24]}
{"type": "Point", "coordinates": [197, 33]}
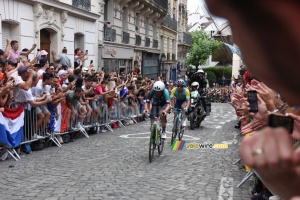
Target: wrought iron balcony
{"type": "Point", "coordinates": [82, 4]}
{"type": "Point", "coordinates": [155, 43]}
{"type": "Point", "coordinates": [162, 3]}
{"type": "Point", "coordinates": [185, 38]}
{"type": "Point", "coordinates": [173, 56]}
{"type": "Point", "coordinates": [147, 42]}
{"type": "Point", "coordinates": [138, 40]}
{"type": "Point", "coordinates": [109, 34]}
{"type": "Point", "coordinates": [168, 56]}
{"type": "Point", "coordinates": [125, 37]}
{"type": "Point", "coordinates": [170, 23]}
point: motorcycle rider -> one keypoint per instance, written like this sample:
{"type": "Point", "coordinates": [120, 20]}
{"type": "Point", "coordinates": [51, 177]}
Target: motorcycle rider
{"type": "Point", "coordinates": [199, 77]}
{"type": "Point", "coordinates": [182, 96]}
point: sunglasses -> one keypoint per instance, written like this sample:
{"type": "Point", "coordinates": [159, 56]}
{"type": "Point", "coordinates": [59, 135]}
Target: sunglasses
{"type": "Point", "coordinates": [51, 68]}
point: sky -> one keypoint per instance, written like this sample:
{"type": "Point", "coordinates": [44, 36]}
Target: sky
{"type": "Point", "coordinates": [197, 6]}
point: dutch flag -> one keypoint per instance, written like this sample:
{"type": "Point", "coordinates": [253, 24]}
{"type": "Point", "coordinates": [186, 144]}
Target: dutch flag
{"type": "Point", "coordinates": [11, 126]}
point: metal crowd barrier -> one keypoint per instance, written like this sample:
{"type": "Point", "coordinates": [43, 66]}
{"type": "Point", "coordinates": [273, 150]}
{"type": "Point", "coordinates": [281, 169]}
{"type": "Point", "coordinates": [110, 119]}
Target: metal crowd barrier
{"type": "Point", "coordinates": [65, 124]}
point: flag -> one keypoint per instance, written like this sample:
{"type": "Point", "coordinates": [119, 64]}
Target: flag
{"type": "Point", "coordinates": [11, 126]}
{"type": "Point", "coordinates": [234, 49]}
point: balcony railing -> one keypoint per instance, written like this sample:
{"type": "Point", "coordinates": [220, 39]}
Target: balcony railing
{"type": "Point", "coordinates": [168, 56]}
{"type": "Point", "coordinates": [162, 3]}
{"type": "Point", "coordinates": [138, 40]}
{"type": "Point", "coordinates": [125, 37]}
{"type": "Point", "coordinates": [147, 42]}
{"type": "Point", "coordinates": [109, 34]}
{"type": "Point", "coordinates": [82, 4]}
{"type": "Point", "coordinates": [173, 56]}
{"type": "Point", "coordinates": [155, 43]}
{"type": "Point", "coordinates": [185, 38]}
{"type": "Point", "coordinates": [170, 23]}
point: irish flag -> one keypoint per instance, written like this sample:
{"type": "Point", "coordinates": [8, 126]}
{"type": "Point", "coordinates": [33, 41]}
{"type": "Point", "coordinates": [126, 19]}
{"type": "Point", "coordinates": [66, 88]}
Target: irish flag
{"type": "Point", "coordinates": [11, 126]}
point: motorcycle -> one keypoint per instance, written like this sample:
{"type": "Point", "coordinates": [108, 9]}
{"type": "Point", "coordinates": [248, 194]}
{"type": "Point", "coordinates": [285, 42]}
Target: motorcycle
{"type": "Point", "coordinates": [196, 112]}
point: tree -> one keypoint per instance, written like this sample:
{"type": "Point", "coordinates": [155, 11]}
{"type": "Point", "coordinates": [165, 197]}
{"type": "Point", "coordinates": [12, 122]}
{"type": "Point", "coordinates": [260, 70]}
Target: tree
{"type": "Point", "coordinates": [202, 47]}
{"type": "Point", "coordinates": [211, 77]}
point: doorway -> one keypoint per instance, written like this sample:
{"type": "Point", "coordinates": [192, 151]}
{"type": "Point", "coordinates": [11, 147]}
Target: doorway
{"type": "Point", "coordinates": [45, 42]}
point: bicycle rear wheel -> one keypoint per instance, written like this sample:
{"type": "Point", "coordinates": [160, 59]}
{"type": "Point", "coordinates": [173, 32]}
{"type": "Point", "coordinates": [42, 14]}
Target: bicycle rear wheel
{"type": "Point", "coordinates": [152, 143]}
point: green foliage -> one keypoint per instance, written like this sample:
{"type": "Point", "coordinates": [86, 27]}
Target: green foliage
{"type": "Point", "coordinates": [218, 72]}
{"type": "Point", "coordinates": [211, 77]}
{"type": "Point", "coordinates": [202, 47]}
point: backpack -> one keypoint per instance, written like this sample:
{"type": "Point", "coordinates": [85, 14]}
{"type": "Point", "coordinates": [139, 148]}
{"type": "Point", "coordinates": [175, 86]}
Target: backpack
{"type": "Point", "coordinates": [38, 145]}
{"type": "Point", "coordinates": [66, 138]}
{"type": "Point", "coordinates": [26, 148]}
{"type": "Point", "coordinates": [92, 130]}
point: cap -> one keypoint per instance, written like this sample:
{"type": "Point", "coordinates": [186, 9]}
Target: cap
{"type": "Point", "coordinates": [134, 79]}
{"type": "Point", "coordinates": [44, 53]}
{"type": "Point", "coordinates": [85, 69]}
{"type": "Point", "coordinates": [22, 70]}
{"type": "Point", "coordinates": [61, 72]}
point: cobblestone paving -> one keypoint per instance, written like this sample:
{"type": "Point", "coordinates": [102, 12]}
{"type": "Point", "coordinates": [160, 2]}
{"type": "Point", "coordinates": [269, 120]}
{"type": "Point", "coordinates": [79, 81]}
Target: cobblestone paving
{"type": "Point", "coordinates": [111, 166]}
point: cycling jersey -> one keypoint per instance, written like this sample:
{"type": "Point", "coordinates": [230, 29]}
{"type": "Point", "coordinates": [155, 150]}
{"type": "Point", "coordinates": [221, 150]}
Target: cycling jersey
{"type": "Point", "coordinates": [180, 96]}
{"type": "Point", "coordinates": [159, 100]}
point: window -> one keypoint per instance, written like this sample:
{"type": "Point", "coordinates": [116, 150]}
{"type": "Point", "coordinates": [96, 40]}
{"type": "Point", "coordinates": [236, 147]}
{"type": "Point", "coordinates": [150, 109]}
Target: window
{"type": "Point", "coordinates": [5, 34]}
{"type": "Point", "coordinates": [109, 11]}
{"type": "Point", "coordinates": [79, 41]}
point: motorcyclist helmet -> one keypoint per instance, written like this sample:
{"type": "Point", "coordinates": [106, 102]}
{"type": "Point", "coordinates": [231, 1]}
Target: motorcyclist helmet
{"type": "Point", "coordinates": [195, 85]}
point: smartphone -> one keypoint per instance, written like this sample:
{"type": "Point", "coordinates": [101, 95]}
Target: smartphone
{"type": "Point", "coordinates": [252, 99]}
{"type": "Point", "coordinates": [286, 122]}
{"type": "Point", "coordinates": [91, 62]}
{"type": "Point", "coordinates": [86, 50]}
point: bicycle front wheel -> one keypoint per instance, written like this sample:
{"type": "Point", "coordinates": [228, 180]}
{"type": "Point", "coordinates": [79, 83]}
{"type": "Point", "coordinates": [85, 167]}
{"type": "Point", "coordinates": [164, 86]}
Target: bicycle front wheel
{"type": "Point", "coordinates": [152, 143]}
{"type": "Point", "coordinates": [174, 131]}
{"type": "Point", "coordinates": [180, 134]}
{"type": "Point", "coordinates": [161, 146]}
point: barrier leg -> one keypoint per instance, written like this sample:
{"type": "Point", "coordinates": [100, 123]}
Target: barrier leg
{"type": "Point", "coordinates": [11, 153]}
{"type": "Point", "coordinates": [246, 177]}
{"type": "Point", "coordinates": [236, 162]}
{"type": "Point", "coordinates": [53, 139]}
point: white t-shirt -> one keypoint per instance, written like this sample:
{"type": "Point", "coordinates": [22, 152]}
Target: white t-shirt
{"type": "Point", "coordinates": [40, 90]}
{"type": "Point", "coordinates": [17, 78]}
{"type": "Point", "coordinates": [23, 96]}
{"type": "Point", "coordinates": [40, 72]}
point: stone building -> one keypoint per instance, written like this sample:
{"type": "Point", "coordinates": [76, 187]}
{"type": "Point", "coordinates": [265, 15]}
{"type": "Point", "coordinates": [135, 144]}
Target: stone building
{"type": "Point", "coordinates": [52, 25]}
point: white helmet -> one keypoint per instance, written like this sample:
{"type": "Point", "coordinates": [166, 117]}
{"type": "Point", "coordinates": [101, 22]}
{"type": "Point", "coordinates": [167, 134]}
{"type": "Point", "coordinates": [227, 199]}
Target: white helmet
{"type": "Point", "coordinates": [159, 86]}
{"type": "Point", "coordinates": [200, 71]}
{"type": "Point", "coordinates": [195, 84]}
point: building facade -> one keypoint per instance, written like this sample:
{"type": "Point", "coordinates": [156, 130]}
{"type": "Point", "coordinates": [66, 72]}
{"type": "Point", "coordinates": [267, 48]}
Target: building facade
{"type": "Point", "coordinates": [131, 31]}
{"type": "Point", "coordinates": [184, 39]}
{"type": "Point", "coordinates": [52, 25]}
{"type": "Point", "coordinates": [168, 40]}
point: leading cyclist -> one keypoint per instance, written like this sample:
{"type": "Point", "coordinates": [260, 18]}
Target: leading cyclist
{"type": "Point", "coordinates": [182, 96]}
{"type": "Point", "coordinates": [160, 99]}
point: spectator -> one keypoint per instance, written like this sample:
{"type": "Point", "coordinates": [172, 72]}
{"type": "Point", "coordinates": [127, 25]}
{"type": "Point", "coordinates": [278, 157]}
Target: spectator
{"type": "Point", "coordinates": [14, 53]}
{"type": "Point", "coordinates": [62, 58]}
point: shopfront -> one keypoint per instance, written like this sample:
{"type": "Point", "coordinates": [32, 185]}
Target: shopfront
{"type": "Point", "coordinates": [117, 59]}
{"type": "Point", "coordinates": [150, 65]}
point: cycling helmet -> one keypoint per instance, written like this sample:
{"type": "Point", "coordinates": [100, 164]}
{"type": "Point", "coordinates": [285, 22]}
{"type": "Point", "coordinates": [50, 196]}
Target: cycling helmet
{"type": "Point", "coordinates": [200, 71]}
{"type": "Point", "coordinates": [180, 82]}
{"type": "Point", "coordinates": [195, 84]}
{"type": "Point", "coordinates": [159, 86]}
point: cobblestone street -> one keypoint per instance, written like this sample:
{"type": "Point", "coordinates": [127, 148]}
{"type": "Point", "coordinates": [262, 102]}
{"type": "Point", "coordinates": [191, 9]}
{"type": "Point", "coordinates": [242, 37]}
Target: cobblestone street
{"type": "Point", "coordinates": [115, 165]}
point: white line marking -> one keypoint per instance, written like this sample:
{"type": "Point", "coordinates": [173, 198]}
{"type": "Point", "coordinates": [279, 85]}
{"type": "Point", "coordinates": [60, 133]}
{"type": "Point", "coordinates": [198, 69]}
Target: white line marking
{"type": "Point", "coordinates": [139, 135]}
{"type": "Point", "coordinates": [226, 189]}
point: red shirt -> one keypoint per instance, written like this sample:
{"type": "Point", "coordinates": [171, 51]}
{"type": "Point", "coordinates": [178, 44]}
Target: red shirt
{"type": "Point", "coordinates": [98, 90]}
